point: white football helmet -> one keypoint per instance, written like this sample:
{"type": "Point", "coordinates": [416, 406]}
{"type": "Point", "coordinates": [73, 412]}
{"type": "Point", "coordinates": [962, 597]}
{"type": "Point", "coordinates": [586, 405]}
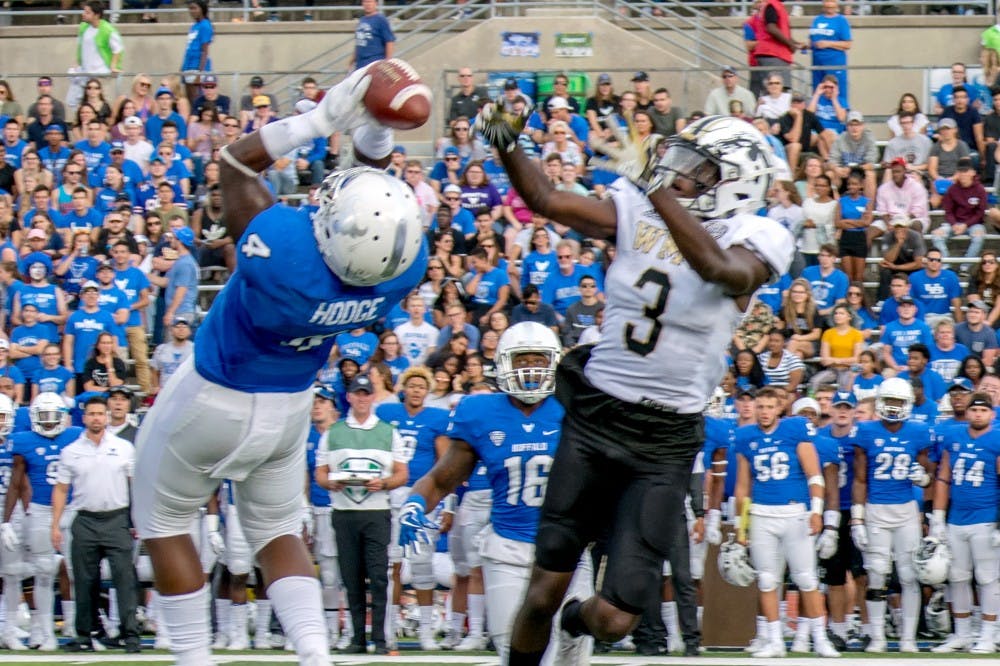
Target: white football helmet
{"type": "Point", "coordinates": [898, 390]}
{"type": "Point", "coordinates": [529, 385]}
{"type": "Point", "coordinates": [368, 226]}
{"type": "Point", "coordinates": [48, 414]}
{"type": "Point", "coordinates": [6, 415]}
{"type": "Point", "coordinates": [931, 561]}
{"type": "Point", "coordinates": [734, 563]}
{"type": "Point", "coordinates": [716, 406]}
{"type": "Point", "coordinates": [730, 162]}
{"type": "Point", "coordinates": [936, 613]}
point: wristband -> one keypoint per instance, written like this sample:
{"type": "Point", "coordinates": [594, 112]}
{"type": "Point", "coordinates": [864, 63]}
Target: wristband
{"type": "Point", "coordinates": [831, 518]}
{"type": "Point", "coordinates": [816, 505]}
{"type": "Point", "coordinates": [236, 164]}
{"type": "Point", "coordinates": [857, 512]}
{"type": "Point", "coordinates": [938, 516]}
{"type": "Point", "coordinates": [212, 522]}
{"type": "Point", "coordinates": [817, 480]}
{"type": "Point", "coordinates": [419, 500]}
{"type": "Point", "coordinates": [449, 503]}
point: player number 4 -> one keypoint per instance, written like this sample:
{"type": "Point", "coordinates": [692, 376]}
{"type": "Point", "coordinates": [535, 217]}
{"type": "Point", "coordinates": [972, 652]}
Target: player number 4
{"type": "Point", "coordinates": [255, 247]}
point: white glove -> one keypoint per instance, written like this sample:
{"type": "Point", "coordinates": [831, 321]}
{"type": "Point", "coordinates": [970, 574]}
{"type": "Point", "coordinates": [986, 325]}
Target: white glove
{"type": "Point", "coordinates": [343, 107]}
{"type": "Point", "coordinates": [937, 525]}
{"type": "Point", "coordinates": [995, 539]}
{"type": "Point", "coordinates": [8, 536]}
{"type": "Point", "coordinates": [630, 156]}
{"type": "Point", "coordinates": [215, 540]}
{"type": "Point", "coordinates": [308, 523]}
{"type": "Point", "coordinates": [859, 535]}
{"type": "Point", "coordinates": [826, 543]}
{"type": "Point", "coordinates": [919, 475]}
{"type": "Point", "coordinates": [713, 527]}
{"type": "Point", "coordinates": [499, 128]}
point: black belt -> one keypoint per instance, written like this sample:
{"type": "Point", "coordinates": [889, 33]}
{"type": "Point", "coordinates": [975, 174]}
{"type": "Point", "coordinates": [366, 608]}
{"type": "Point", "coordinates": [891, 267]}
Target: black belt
{"type": "Point", "coordinates": [103, 514]}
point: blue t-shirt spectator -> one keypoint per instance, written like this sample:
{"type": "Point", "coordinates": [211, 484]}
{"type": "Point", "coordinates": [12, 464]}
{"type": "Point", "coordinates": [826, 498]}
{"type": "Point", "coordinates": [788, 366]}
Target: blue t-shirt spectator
{"type": "Point", "coordinates": [370, 37]}
{"type": "Point", "coordinates": [85, 327]}
{"type": "Point", "coordinates": [356, 347]}
{"type": "Point", "coordinates": [900, 336]}
{"type": "Point", "coordinates": [29, 336]}
{"type": "Point", "coordinates": [935, 293]}
{"type": "Point", "coordinates": [184, 273]}
{"type": "Point", "coordinates": [826, 289]}
{"type": "Point", "coordinates": [199, 34]}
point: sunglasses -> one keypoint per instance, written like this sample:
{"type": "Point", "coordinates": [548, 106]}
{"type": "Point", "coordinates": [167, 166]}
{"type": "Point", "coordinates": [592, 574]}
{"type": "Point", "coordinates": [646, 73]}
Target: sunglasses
{"type": "Point", "coordinates": [208, 86]}
{"type": "Point", "coordinates": [74, 173]}
{"type": "Point", "coordinates": [230, 124]}
{"type": "Point", "coordinates": [564, 256]}
{"type": "Point", "coordinates": [488, 245]}
{"type": "Point", "coordinates": [452, 198]}
{"type": "Point", "coordinates": [145, 84]}
{"type": "Point", "coordinates": [93, 87]}
{"type": "Point", "coordinates": [461, 129]}
{"type": "Point", "coordinates": [465, 76]}
{"type": "Point", "coordinates": [937, 259]}
{"type": "Point", "coordinates": [451, 158]}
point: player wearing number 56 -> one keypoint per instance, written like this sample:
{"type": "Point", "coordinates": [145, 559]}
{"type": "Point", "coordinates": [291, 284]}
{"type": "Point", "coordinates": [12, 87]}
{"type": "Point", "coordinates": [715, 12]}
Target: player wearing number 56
{"type": "Point", "coordinates": [691, 253]}
{"type": "Point", "coordinates": [240, 409]}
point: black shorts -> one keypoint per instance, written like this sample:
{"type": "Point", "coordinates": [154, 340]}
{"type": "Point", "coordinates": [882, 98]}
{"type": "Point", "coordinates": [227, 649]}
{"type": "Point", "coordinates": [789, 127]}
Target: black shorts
{"type": "Point", "coordinates": [621, 469]}
{"type": "Point", "coordinates": [854, 244]}
{"type": "Point", "coordinates": [847, 558]}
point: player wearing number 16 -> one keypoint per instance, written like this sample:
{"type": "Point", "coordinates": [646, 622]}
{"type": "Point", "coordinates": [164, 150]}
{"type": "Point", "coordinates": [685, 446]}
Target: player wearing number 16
{"type": "Point", "coordinates": [967, 478]}
{"type": "Point", "coordinates": [891, 457]}
{"type": "Point", "coordinates": [691, 252]}
{"type": "Point", "coordinates": [240, 409]}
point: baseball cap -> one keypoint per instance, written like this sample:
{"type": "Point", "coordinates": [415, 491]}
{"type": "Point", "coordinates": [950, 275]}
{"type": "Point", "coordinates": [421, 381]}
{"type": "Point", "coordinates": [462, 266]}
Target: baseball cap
{"type": "Point", "coordinates": [185, 236]}
{"type": "Point", "coordinates": [855, 117]}
{"type": "Point", "coordinates": [54, 128]}
{"type": "Point", "coordinates": [961, 384]}
{"type": "Point", "coordinates": [122, 198]}
{"type": "Point", "coordinates": [90, 284]}
{"type": "Point", "coordinates": [399, 148]}
{"type": "Point", "coordinates": [558, 103]}
{"type": "Point", "coordinates": [156, 158]}
{"type": "Point", "coordinates": [141, 238]}
{"type": "Point", "coordinates": [844, 398]}
{"type": "Point", "coordinates": [749, 390]}
{"type": "Point", "coordinates": [180, 321]}
{"type": "Point", "coordinates": [798, 97]}
{"type": "Point", "coordinates": [906, 300]}
{"type": "Point", "coordinates": [261, 100]}
{"type": "Point", "coordinates": [451, 150]}
{"type": "Point", "coordinates": [979, 305]}
{"type": "Point", "coordinates": [133, 121]}
{"type": "Point", "coordinates": [121, 388]}
{"type": "Point", "coordinates": [36, 233]}
{"type": "Point", "coordinates": [360, 383]}
{"type": "Point", "coordinates": [640, 76]}
{"type": "Point", "coordinates": [209, 78]}
{"type": "Point", "coordinates": [510, 84]}
{"type": "Point", "coordinates": [980, 402]}
{"type": "Point", "coordinates": [452, 187]}
{"type": "Point", "coordinates": [898, 161]}
{"type": "Point", "coordinates": [604, 78]}
{"type": "Point", "coordinates": [256, 82]}
{"type": "Point", "coordinates": [965, 164]}
{"type": "Point", "coordinates": [325, 392]}
{"type": "Point", "coordinates": [117, 146]}
{"type": "Point", "coordinates": [341, 362]}
{"type": "Point", "coordinates": [303, 105]}
{"type": "Point", "coordinates": [44, 81]}
{"type": "Point", "coordinates": [105, 264]}
{"type": "Point", "coordinates": [947, 122]}
{"type": "Point", "coordinates": [803, 404]}
{"type": "Point", "coordinates": [163, 90]}
{"type": "Point", "coordinates": [900, 221]}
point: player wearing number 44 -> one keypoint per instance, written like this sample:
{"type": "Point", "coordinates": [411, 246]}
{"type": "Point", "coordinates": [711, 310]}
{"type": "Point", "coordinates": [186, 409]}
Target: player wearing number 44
{"type": "Point", "coordinates": [691, 253]}
{"type": "Point", "coordinates": [240, 409]}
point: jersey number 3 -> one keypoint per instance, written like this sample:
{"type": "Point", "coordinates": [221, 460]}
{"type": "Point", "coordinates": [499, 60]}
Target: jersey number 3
{"type": "Point", "coordinates": [651, 312]}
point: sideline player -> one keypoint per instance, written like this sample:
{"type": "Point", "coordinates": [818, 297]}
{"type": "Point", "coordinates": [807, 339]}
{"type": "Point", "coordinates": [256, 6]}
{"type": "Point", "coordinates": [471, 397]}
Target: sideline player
{"type": "Point", "coordinates": [690, 256]}
{"type": "Point", "coordinates": [240, 408]}
{"type": "Point", "coordinates": [515, 434]}
{"type": "Point", "coordinates": [11, 553]}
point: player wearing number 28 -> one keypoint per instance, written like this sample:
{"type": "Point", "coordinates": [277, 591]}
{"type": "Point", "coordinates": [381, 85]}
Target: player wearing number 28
{"type": "Point", "coordinates": [690, 255]}
{"type": "Point", "coordinates": [891, 456]}
{"type": "Point", "coordinates": [240, 409]}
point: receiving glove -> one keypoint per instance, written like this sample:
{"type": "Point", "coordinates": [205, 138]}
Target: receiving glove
{"type": "Point", "coordinates": [628, 155]}
{"type": "Point", "coordinates": [919, 476]}
{"type": "Point", "coordinates": [859, 535]}
{"type": "Point", "coordinates": [343, 107]}
{"type": "Point", "coordinates": [713, 527]}
{"type": "Point", "coordinates": [500, 128]}
{"type": "Point", "coordinates": [414, 526]}
{"type": "Point", "coordinates": [8, 537]}
{"type": "Point", "coordinates": [826, 543]}
{"type": "Point", "coordinates": [215, 540]}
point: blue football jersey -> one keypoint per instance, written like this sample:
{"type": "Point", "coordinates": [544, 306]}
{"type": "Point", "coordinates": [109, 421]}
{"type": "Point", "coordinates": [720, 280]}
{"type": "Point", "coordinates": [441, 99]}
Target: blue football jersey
{"type": "Point", "coordinates": [719, 435]}
{"type": "Point", "coordinates": [845, 452]}
{"type": "Point", "coordinates": [41, 459]}
{"type": "Point", "coordinates": [774, 461]}
{"type": "Point", "coordinates": [6, 466]}
{"type": "Point", "coordinates": [890, 456]}
{"type": "Point", "coordinates": [318, 495]}
{"type": "Point", "coordinates": [517, 451]}
{"type": "Point", "coordinates": [973, 462]}
{"type": "Point", "coordinates": [272, 326]}
{"type": "Point", "coordinates": [418, 432]}
{"type": "Point", "coordinates": [479, 480]}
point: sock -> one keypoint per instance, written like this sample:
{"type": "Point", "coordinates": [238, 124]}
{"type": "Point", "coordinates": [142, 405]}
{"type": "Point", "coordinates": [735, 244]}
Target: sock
{"type": "Point", "coordinates": [222, 608]}
{"type": "Point", "coordinates": [817, 626]}
{"type": "Point", "coordinates": [839, 629]}
{"type": "Point", "coordinates": [761, 628]}
{"type": "Point", "coordinates": [910, 612]}
{"type": "Point", "coordinates": [186, 619]}
{"type": "Point", "coordinates": [701, 612]}
{"type": "Point", "coordinates": [238, 622]}
{"type": "Point", "coordinates": [263, 627]}
{"type": "Point", "coordinates": [457, 622]}
{"type": "Point", "coordinates": [987, 633]}
{"type": "Point", "coordinates": [348, 625]}
{"type": "Point", "coordinates": [298, 604]}
{"type": "Point", "coordinates": [332, 622]}
{"type": "Point", "coordinates": [426, 619]}
{"type": "Point", "coordinates": [515, 658]}
{"type": "Point", "coordinates": [113, 617]}
{"type": "Point", "coordinates": [69, 617]}
{"type": "Point", "coordinates": [774, 632]}
{"type": "Point", "coordinates": [963, 627]}
{"type": "Point", "coordinates": [3, 610]}
{"type": "Point", "coordinates": [12, 598]}
{"type": "Point", "coordinates": [477, 614]}
{"type": "Point", "coordinates": [802, 629]}
{"type": "Point", "coordinates": [391, 620]}
{"type": "Point", "coordinates": [866, 628]}
{"type": "Point", "coordinates": [668, 611]}
{"type": "Point", "coordinates": [44, 599]}
{"type": "Point", "coordinates": [876, 616]}
{"type": "Point", "coordinates": [331, 596]}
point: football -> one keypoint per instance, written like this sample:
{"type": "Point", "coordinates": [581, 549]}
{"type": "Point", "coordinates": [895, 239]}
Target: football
{"type": "Point", "coordinates": [397, 97]}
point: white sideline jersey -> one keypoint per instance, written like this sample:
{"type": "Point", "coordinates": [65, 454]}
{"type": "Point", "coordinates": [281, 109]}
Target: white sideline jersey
{"type": "Point", "coordinates": [665, 333]}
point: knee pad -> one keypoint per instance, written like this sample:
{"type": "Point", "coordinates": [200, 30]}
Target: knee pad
{"type": "Point", "coordinates": [766, 581]}
{"type": "Point", "coordinates": [876, 581]}
{"type": "Point", "coordinates": [329, 572]}
{"type": "Point", "coordinates": [878, 562]}
{"type": "Point", "coordinates": [238, 560]}
{"type": "Point", "coordinates": [805, 580]}
{"type": "Point", "coordinates": [906, 573]}
{"type": "Point", "coordinates": [422, 571]}
{"type": "Point", "coordinates": [873, 594]}
{"type": "Point", "coordinates": [144, 569]}
{"type": "Point", "coordinates": [956, 575]}
{"type": "Point", "coordinates": [557, 548]}
{"type": "Point", "coordinates": [443, 569]}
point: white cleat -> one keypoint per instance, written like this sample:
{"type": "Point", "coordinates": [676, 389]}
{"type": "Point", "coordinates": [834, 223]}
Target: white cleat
{"type": "Point", "coordinates": [908, 647]}
{"type": "Point", "coordinates": [983, 647]}
{"type": "Point", "coordinates": [49, 643]}
{"type": "Point", "coordinates": [675, 645]}
{"type": "Point", "coordinates": [239, 642]}
{"type": "Point", "coordinates": [772, 650]}
{"type": "Point", "coordinates": [472, 642]}
{"type": "Point", "coordinates": [826, 650]}
{"type": "Point", "coordinates": [451, 639]}
{"type": "Point", "coordinates": [161, 642]}
{"type": "Point", "coordinates": [11, 641]}
{"type": "Point", "coordinates": [756, 645]}
{"type": "Point", "coordinates": [953, 644]}
{"type": "Point", "coordinates": [877, 645]}
{"type": "Point", "coordinates": [428, 644]}
{"type": "Point", "coordinates": [800, 645]}
{"type": "Point", "coordinates": [345, 641]}
{"type": "Point", "coordinates": [220, 642]}
{"type": "Point", "coordinates": [262, 641]}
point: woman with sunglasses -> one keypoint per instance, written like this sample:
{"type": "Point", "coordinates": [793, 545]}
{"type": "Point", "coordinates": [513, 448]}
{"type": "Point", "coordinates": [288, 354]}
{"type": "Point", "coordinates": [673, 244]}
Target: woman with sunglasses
{"type": "Point", "coordinates": [74, 175]}
{"type": "Point", "coordinates": [443, 250]}
{"type": "Point", "coordinates": [561, 144]}
{"type": "Point", "coordinates": [984, 285]}
{"type": "Point", "coordinates": [141, 95]}
{"type": "Point", "coordinates": [862, 317]}
{"type": "Point", "coordinates": [433, 282]}
{"type": "Point", "coordinates": [462, 139]}
{"type": "Point", "coordinates": [93, 94]}
{"type": "Point", "coordinates": [800, 319]}
{"type": "Point", "coordinates": [775, 102]}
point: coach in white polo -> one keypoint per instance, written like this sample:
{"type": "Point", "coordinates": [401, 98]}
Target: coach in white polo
{"type": "Point", "coordinates": [98, 466]}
